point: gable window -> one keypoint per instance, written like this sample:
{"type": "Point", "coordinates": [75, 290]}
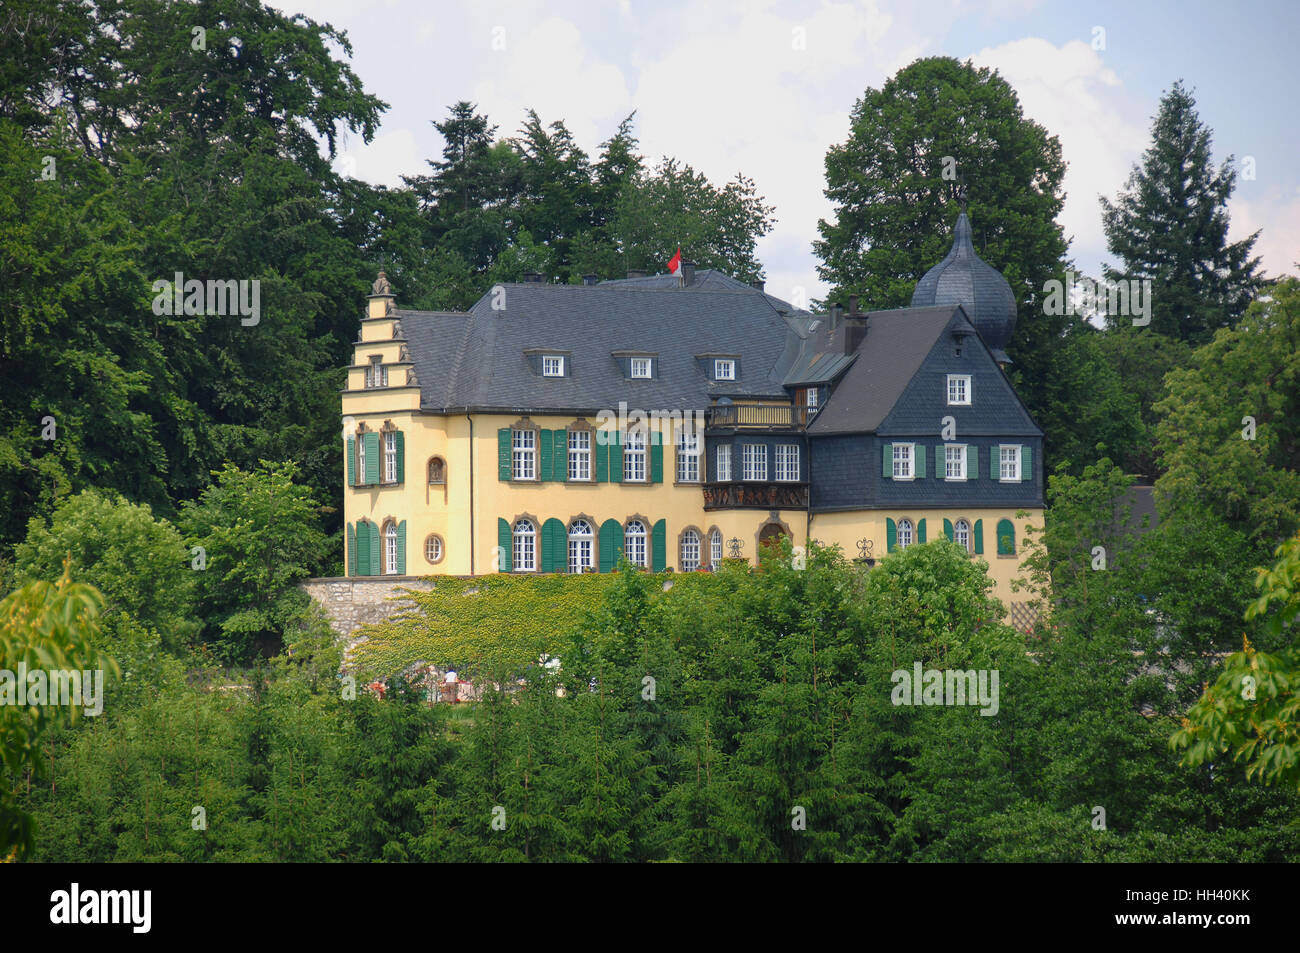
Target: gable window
{"type": "Point", "coordinates": [954, 461]}
{"type": "Point", "coordinates": [754, 459]}
{"type": "Point", "coordinates": [715, 548]}
{"type": "Point", "coordinates": [723, 470]}
{"type": "Point", "coordinates": [688, 456]}
{"type": "Point", "coordinates": [690, 560]}
{"type": "Point", "coordinates": [904, 533]}
{"type": "Point", "coordinates": [553, 365]}
{"type": "Point", "coordinates": [724, 370]}
{"type": "Point", "coordinates": [634, 543]}
{"type": "Point", "coordinates": [961, 534]}
{"type": "Point", "coordinates": [903, 461]}
{"type": "Point", "coordinates": [1009, 462]}
{"type": "Point", "coordinates": [525, 546]}
{"type": "Point", "coordinates": [959, 389]}
{"type": "Point", "coordinates": [787, 462]}
{"type": "Point", "coordinates": [376, 373]}
{"type": "Point", "coordinates": [640, 367]}
{"type": "Point", "coordinates": [580, 546]}
{"type": "Point", "coordinates": [579, 454]}
{"type": "Point", "coordinates": [390, 548]}
{"type": "Point", "coordinates": [523, 457]}
{"type": "Point", "coordinates": [634, 456]}
{"type": "Point", "coordinates": [390, 457]}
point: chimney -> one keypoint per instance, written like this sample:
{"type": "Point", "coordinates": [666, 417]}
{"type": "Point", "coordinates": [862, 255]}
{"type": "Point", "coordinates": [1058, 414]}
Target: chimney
{"type": "Point", "coordinates": [758, 283]}
{"type": "Point", "coordinates": [853, 304]}
{"type": "Point", "coordinates": [533, 278]}
{"type": "Point", "coordinates": [590, 279]}
{"type": "Point", "coordinates": [635, 273]}
{"type": "Point", "coordinates": [688, 273]}
{"type": "Point", "coordinates": [833, 312]}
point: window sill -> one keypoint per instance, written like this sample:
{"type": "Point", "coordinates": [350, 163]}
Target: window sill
{"type": "Point", "coordinates": [955, 480]}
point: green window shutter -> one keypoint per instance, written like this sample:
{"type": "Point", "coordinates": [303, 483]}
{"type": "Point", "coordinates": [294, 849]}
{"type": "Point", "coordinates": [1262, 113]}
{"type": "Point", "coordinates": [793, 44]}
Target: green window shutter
{"type": "Point", "coordinates": [611, 544]}
{"type": "Point", "coordinates": [352, 461]}
{"type": "Point", "coordinates": [920, 531]}
{"type": "Point", "coordinates": [1006, 538]}
{"type": "Point", "coordinates": [553, 538]}
{"type": "Point", "coordinates": [546, 455]}
{"type": "Point", "coordinates": [401, 545]}
{"type": "Point", "coordinates": [972, 462]}
{"type": "Point", "coordinates": [656, 460]}
{"type": "Point", "coordinates": [372, 457]}
{"type": "Point", "coordinates": [920, 463]}
{"type": "Point", "coordinates": [994, 461]}
{"type": "Point", "coordinates": [505, 541]}
{"type": "Point", "coordinates": [401, 457]}
{"type": "Point", "coordinates": [887, 458]}
{"type": "Point", "coordinates": [560, 555]}
{"type": "Point", "coordinates": [352, 550]}
{"type": "Point", "coordinates": [659, 546]}
{"type": "Point", "coordinates": [616, 457]}
{"type": "Point", "coordinates": [891, 535]}
{"type": "Point", "coordinates": [376, 552]}
{"type": "Point", "coordinates": [979, 537]}
{"type": "Point", "coordinates": [503, 453]}
{"type": "Point", "coordinates": [601, 453]}
{"type": "Point", "coordinates": [1026, 462]}
{"type": "Point", "coordinates": [562, 458]}
{"type": "Point", "coordinates": [363, 549]}
{"type": "Point", "coordinates": [947, 529]}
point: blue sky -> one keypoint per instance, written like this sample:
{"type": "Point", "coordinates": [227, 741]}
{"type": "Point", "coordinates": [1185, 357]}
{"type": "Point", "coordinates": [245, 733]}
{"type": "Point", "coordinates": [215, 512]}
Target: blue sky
{"type": "Point", "coordinates": [764, 88]}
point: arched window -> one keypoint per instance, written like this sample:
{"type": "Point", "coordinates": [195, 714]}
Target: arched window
{"type": "Point", "coordinates": [634, 543]}
{"type": "Point", "coordinates": [690, 560]}
{"type": "Point", "coordinates": [715, 548]}
{"type": "Point", "coordinates": [390, 548]}
{"type": "Point", "coordinates": [904, 533]}
{"type": "Point", "coordinates": [1006, 538]}
{"type": "Point", "coordinates": [961, 534]}
{"type": "Point", "coordinates": [580, 546]}
{"type": "Point", "coordinates": [525, 546]}
{"type": "Point", "coordinates": [437, 470]}
{"type": "Point", "coordinates": [433, 549]}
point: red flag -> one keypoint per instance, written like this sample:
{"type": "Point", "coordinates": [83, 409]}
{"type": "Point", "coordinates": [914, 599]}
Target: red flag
{"type": "Point", "coordinates": [675, 265]}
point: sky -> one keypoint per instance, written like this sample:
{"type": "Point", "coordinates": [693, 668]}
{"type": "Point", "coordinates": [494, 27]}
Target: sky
{"type": "Point", "coordinates": [765, 88]}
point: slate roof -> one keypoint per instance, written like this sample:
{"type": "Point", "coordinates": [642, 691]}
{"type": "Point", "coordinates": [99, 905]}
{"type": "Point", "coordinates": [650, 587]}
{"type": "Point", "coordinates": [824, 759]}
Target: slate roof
{"type": "Point", "coordinates": [477, 360]}
{"type": "Point", "coordinates": [895, 345]}
{"type": "Point", "coordinates": [966, 279]}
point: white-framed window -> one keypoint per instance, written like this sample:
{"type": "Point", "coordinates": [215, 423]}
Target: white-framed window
{"type": "Point", "coordinates": [390, 549]}
{"type": "Point", "coordinates": [959, 389]}
{"type": "Point", "coordinates": [754, 461]}
{"type": "Point", "coordinates": [361, 458]}
{"type": "Point", "coordinates": [579, 454]}
{"type": "Point", "coordinates": [1009, 462]}
{"type": "Point", "coordinates": [787, 462]}
{"type": "Point", "coordinates": [715, 548]}
{"type": "Point", "coordinates": [634, 456]}
{"type": "Point", "coordinates": [553, 365]}
{"type": "Point", "coordinates": [690, 560]}
{"type": "Point", "coordinates": [525, 536]}
{"type": "Point", "coordinates": [961, 534]}
{"type": "Point", "coordinates": [904, 533]}
{"type": "Point", "coordinates": [634, 543]}
{"type": "Point", "coordinates": [390, 456]}
{"type": "Point", "coordinates": [723, 470]}
{"type": "Point", "coordinates": [688, 456]}
{"type": "Point", "coordinates": [724, 369]}
{"type": "Point", "coordinates": [813, 396]}
{"type": "Point", "coordinates": [433, 549]}
{"type": "Point", "coordinates": [954, 461]}
{"type": "Point", "coordinates": [640, 367]}
{"type": "Point", "coordinates": [580, 546]}
{"type": "Point", "coordinates": [523, 457]}
{"type": "Point", "coordinates": [903, 461]}
{"type": "Point", "coordinates": [376, 373]}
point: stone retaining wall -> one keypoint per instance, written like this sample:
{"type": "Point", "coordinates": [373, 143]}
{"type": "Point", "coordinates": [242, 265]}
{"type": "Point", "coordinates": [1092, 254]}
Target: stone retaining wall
{"type": "Point", "coordinates": [351, 602]}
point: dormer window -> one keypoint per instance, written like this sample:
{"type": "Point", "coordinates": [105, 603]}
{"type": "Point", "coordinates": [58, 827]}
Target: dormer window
{"type": "Point", "coordinates": [639, 367]}
{"type": "Point", "coordinates": [724, 369]}
{"type": "Point", "coordinates": [813, 395]}
{"type": "Point", "coordinates": [376, 373]}
{"type": "Point", "coordinates": [959, 389]}
{"type": "Point", "coordinates": [553, 365]}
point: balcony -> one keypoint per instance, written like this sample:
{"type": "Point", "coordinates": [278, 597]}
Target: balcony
{"type": "Point", "coordinates": [739, 494]}
{"type": "Point", "coordinates": [759, 417]}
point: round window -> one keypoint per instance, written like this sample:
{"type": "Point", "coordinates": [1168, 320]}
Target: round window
{"type": "Point", "coordinates": [433, 549]}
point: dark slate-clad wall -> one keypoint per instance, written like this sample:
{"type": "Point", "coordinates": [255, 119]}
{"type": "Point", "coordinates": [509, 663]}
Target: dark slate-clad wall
{"type": "Point", "coordinates": [841, 471]}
